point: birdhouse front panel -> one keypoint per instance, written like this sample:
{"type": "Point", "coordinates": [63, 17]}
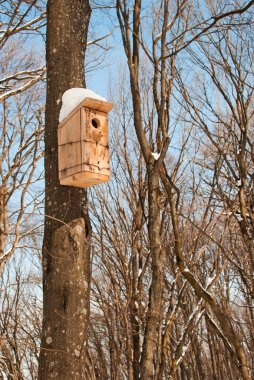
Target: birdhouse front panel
{"type": "Point", "coordinates": [83, 151]}
{"type": "Point", "coordinates": [95, 126]}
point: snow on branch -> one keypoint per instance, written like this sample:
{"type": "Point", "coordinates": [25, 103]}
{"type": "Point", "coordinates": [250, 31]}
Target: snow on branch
{"type": "Point", "coordinates": [95, 42]}
{"type": "Point", "coordinates": [183, 347]}
{"type": "Point", "coordinates": [171, 23]}
{"type": "Point", "coordinates": [22, 75]}
{"type": "Point", "coordinates": [24, 87]}
{"type": "Point", "coordinates": [26, 26]}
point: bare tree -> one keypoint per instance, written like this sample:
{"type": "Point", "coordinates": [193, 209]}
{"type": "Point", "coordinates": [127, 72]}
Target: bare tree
{"type": "Point", "coordinates": [21, 16]}
{"type": "Point", "coordinates": [154, 146]}
{"type": "Point", "coordinates": [228, 130]}
{"type": "Point", "coordinates": [20, 19]}
{"type": "Point", "coordinates": [21, 151]}
{"type": "Point", "coordinates": [20, 320]}
{"type": "Point", "coordinates": [172, 246]}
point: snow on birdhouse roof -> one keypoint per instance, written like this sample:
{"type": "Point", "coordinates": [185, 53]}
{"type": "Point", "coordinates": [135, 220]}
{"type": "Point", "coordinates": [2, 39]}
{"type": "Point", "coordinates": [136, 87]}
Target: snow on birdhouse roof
{"type": "Point", "coordinates": [73, 98]}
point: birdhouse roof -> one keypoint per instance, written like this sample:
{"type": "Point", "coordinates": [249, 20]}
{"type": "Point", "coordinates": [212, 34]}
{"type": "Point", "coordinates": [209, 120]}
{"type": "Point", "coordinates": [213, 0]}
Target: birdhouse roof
{"type": "Point", "coordinates": [92, 103]}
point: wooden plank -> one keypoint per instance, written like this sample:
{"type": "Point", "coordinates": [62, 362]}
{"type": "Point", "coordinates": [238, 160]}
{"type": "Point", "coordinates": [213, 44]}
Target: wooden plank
{"type": "Point", "coordinates": [95, 158]}
{"type": "Point", "coordinates": [64, 173]}
{"type": "Point", "coordinates": [70, 130]}
{"type": "Point", "coordinates": [69, 155]}
{"type": "Point", "coordinates": [99, 105]}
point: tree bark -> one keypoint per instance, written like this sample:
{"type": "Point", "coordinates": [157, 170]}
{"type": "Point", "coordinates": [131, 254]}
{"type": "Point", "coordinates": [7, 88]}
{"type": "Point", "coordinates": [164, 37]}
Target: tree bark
{"type": "Point", "coordinates": [66, 252]}
{"type": "Point", "coordinates": [154, 314]}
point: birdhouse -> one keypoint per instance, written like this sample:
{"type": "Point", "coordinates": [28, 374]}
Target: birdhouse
{"type": "Point", "coordinates": [83, 151]}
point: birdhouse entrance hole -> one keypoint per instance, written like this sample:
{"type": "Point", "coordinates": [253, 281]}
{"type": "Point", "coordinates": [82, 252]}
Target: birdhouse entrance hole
{"type": "Point", "coordinates": [95, 123]}
{"type": "Point", "coordinates": [83, 151]}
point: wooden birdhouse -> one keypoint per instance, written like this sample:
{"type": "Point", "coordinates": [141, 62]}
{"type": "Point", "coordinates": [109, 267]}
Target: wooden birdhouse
{"type": "Point", "coordinates": [83, 151]}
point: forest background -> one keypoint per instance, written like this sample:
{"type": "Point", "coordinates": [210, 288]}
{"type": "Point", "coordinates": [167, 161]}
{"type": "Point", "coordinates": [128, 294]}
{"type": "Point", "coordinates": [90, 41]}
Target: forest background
{"type": "Point", "coordinates": [172, 249]}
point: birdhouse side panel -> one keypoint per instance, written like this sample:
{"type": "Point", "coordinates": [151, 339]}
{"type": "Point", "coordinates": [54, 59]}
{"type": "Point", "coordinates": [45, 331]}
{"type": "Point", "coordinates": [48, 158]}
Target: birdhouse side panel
{"type": "Point", "coordinates": [69, 131]}
{"type": "Point", "coordinates": [69, 159]}
{"type": "Point", "coordinates": [69, 146]}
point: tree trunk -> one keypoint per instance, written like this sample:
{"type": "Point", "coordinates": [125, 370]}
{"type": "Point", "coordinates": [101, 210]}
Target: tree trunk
{"type": "Point", "coordinates": [66, 252]}
{"type": "Point", "coordinates": [154, 314]}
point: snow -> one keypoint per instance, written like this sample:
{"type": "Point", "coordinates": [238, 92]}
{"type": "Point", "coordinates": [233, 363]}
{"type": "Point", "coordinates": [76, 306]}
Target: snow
{"type": "Point", "coordinates": [194, 311]}
{"type": "Point", "coordinates": [199, 315]}
{"type": "Point", "coordinates": [73, 97]}
{"type": "Point", "coordinates": [184, 350]}
{"type": "Point", "coordinates": [209, 280]}
{"type": "Point", "coordinates": [156, 155]}
{"type": "Point", "coordinates": [77, 353]}
{"type": "Point", "coordinates": [228, 213]}
{"type": "Point", "coordinates": [49, 340]}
